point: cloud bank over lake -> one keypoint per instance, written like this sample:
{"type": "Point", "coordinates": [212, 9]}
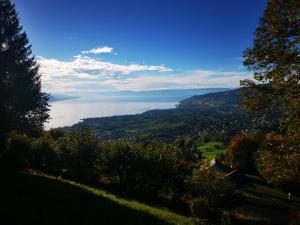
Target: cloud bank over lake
{"type": "Point", "coordinates": [86, 72]}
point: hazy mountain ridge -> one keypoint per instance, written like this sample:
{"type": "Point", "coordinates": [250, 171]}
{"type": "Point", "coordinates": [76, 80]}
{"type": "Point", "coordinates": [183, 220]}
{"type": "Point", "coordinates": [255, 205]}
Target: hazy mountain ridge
{"type": "Point", "coordinates": [165, 95]}
{"type": "Point", "coordinates": [225, 99]}
{"type": "Point", "coordinates": [56, 98]}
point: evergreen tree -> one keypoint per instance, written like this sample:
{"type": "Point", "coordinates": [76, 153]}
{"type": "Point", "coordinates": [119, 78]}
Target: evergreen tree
{"type": "Point", "coordinates": [22, 104]}
{"type": "Point", "coordinates": [275, 60]}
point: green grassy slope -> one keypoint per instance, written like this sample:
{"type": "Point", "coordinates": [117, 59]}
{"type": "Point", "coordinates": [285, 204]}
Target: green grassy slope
{"type": "Point", "coordinates": [41, 199]}
{"type": "Point", "coordinates": [211, 149]}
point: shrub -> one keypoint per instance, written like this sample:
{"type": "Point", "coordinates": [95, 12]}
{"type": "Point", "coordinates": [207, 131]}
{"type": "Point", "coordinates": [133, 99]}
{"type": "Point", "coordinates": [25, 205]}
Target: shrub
{"type": "Point", "coordinates": [203, 213]}
{"type": "Point", "coordinates": [219, 193]}
{"type": "Point", "coordinates": [241, 151]}
{"type": "Point", "coordinates": [278, 159]}
{"type": "Point", "coordinates": [18, 152]}
{"type": "Point", "coordinates": [118, 160]}
{"type": "Point", "coordinates": [45, 154]}
{"type": "Point", "coordinates": [56, 133]}
{"type": "Point", "coordinates": [160, 170]}
{"type": "Point", "coordinates": [143, 169]}
{"type": "Point", "coordinates": [78, 154]}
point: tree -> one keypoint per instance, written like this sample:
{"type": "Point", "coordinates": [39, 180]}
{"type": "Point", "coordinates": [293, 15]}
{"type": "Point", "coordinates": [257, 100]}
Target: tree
{"type": "Point", "coordinates": [78, 154]}
{"type": "Point", "coordinates": [279, 159]}
{"type": "Point", "coordinates": [203, 214]}
{"type": "Point", "coordinates": [45, 154]}
{"type": "Point", "coordinates": [119, 158]}
{"type": "Point", "coordinates": [275, 95]}
{"type": "Point", "coordinates": [212, 195]}
{"type": "Point", "coordinates": [143, 169]}
{"type": "Point", "coordinates": [275, 60]}
{"type": "Point", "coordinates": [18, 152]}
{"type": "Point", "coordinates": [22, 104]}
{"type": "Point", "coordinates": [241, 151]}
{"type": "Point", "coordinates": [56, 133]}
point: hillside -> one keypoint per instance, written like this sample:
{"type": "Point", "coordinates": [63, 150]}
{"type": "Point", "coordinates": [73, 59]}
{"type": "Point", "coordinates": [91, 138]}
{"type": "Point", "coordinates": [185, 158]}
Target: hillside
{"type": "Point", "coordinates": [219, 100]}
{"type": "Point", "coordinates": [213, 115]}
{"type": "Point", "coordinates": [41, 199]}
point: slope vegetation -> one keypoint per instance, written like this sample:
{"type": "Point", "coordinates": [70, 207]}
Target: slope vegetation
{"type": "Point", "coordinates": [41, 199]}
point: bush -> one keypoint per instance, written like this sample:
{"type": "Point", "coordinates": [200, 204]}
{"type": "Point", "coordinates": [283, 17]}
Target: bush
{"type": "Point", "coordinates": [203, 213]}
{"type": "Point", "coordinates": [241, 151]}
{"type": "Point", "coordinates": [146, 169]}
{"type": "Point", "coordinates": [118, 161]}
{"type": "Point", "coordinates": [18, 152]}
{"type": "Point", "coordinates": [56, 133]}
{"type": "Point", "coordinates": [205, 185]}
{"type": "Point", "coordinates": [278, 159]}
{"type": "Point", "coordinates": [78, 154]}
{"type": "Point", "coordinates": [45, 154]}
{"type": "Point", "coordinates": [161, 170]}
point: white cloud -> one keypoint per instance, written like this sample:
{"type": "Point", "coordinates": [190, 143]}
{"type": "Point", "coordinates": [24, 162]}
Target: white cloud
{"type": "Point", "coordinates": [84, 73]}
{"type": "Point", "coordinates": [86, 67]}
{"type": "Point", "coordinates": [98, 50]}
{"type": "Point", "coordinates": [194, 79]}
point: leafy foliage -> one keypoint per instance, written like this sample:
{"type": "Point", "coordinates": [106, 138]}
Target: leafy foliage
{"type": "Point", "coordinates": [45, 154]}
{"type": "Point", "coordinates": [242, 150]}
{"type": "Point", "coordinates": [148, 168]}
{"type": "Point", "coordinates": [212, 195]}
{"type": "Point", "coordinates": [279, 159]}
{"type": "Point", "coordinates": [275, 95]}
{"type": "Point", "coordinates": [18, 152]}
{"type": "Point", "coordinates": [275, 58]}
{"type": "Point", "coordinates": [203, 213]}
{"type": "Point", "coordinates": [78, 153]}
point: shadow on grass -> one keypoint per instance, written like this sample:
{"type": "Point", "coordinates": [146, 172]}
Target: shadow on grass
{"type": "Point", "coordinates": [26, 199]}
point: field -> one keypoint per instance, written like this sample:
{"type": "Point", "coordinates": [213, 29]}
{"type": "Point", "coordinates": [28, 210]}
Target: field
{"type": "Point", "coordinates": [41, 199]}
{"type": "Point", "coordinates": [211, 149]}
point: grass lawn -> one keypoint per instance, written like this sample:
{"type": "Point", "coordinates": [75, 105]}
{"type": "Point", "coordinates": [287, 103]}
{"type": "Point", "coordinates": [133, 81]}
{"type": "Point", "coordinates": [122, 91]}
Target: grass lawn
{"type": "Point", "coordinates": [211, 149]}
{"type": "Point", "coordinates": [41, 199]}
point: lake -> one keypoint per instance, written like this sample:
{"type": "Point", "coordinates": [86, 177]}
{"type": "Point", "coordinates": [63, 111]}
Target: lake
{"type": "Point", "coordinates": [69, 109]}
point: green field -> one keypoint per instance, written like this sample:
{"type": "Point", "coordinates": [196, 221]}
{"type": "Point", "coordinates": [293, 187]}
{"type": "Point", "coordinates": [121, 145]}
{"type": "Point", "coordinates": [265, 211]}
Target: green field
{"type": "Point", "coordinates": [41, 199]}
{"type": "Point", "coordinates": [211, 149]}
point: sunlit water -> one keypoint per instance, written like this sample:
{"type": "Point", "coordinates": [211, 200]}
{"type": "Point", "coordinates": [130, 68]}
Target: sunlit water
{"type": "Point", "coordinates": [90, 105]}
{"type": "Point", "coordinates": [69, 112]}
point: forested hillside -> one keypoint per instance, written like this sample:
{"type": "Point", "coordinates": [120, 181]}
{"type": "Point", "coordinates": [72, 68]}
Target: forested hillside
{"type": "Point", "coordinates": [213, 117]}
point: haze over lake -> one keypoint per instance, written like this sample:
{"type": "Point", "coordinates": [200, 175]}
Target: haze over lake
{"type": "Point", "coordinates": [70, 108]}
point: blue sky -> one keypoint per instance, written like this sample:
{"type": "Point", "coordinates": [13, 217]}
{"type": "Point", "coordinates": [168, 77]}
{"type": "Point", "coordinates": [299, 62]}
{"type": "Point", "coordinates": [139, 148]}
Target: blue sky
{"type": "Point", "coordinates": [99, 45]}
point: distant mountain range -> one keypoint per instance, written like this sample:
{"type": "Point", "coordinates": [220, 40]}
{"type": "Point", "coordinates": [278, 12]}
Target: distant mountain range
{"type": "Point", "coordinates": [55, 98]}
{"type": "Point", "coordinates": [154, 95]}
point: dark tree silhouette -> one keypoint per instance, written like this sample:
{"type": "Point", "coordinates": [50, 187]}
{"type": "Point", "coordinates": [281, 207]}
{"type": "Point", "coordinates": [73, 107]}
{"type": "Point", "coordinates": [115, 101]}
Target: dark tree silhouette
{"type": "Point", "coordinates": [22, 104]}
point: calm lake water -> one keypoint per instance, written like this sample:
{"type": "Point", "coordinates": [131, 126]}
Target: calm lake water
{"type": "Point", "coordinates": [68, 110]}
